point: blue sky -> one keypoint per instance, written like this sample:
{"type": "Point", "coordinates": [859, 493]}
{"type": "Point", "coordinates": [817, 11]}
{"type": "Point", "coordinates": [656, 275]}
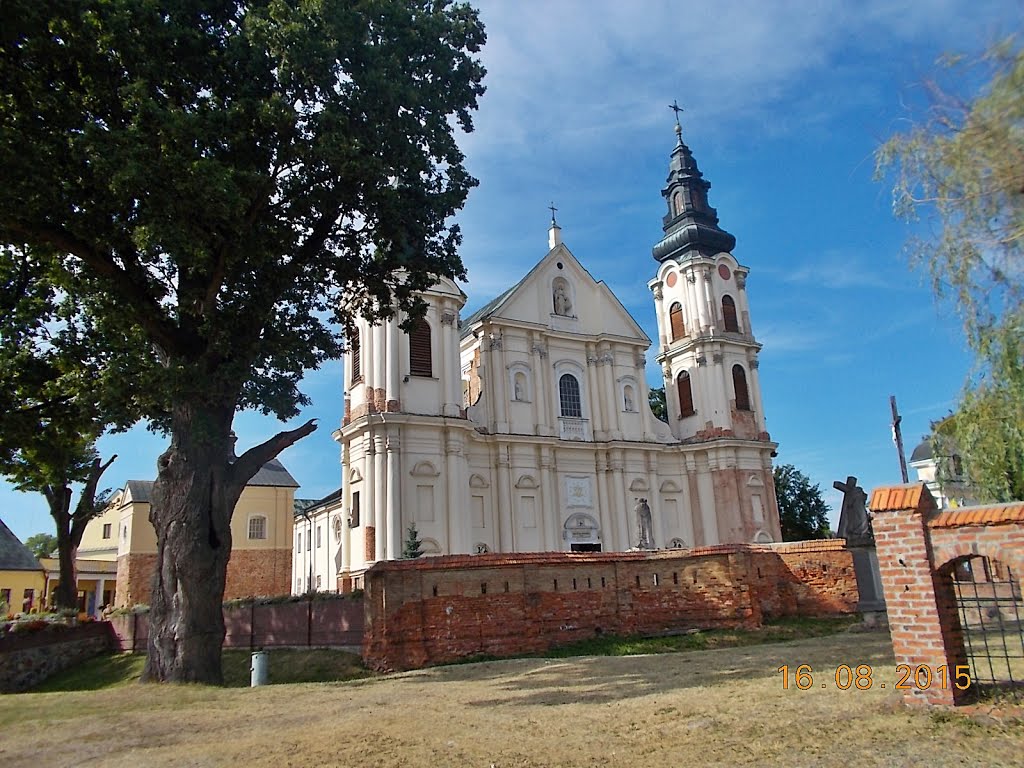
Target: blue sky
{"type": "Point", "coordinates": [785, 104]}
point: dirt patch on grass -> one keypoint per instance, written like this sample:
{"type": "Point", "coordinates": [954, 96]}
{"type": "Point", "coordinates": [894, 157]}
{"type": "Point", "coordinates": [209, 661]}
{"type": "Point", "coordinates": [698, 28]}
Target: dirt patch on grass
{"type": "Point", "coordinates": [715, 707]}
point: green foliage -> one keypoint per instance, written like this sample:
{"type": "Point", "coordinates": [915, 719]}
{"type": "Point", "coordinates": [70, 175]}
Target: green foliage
{"type": "Point", "coordinates": [41, 544]}
{"type": "Point", "coordinates": [802, 511]}
{"type": "Point", "coordinates": [413, 546]}
{"type": "Point", "coordinates": [963, 169]}
{"type": "Point", "coordinates": [219, 185]}
{"type": "Point", "coordinates": [656, 398]}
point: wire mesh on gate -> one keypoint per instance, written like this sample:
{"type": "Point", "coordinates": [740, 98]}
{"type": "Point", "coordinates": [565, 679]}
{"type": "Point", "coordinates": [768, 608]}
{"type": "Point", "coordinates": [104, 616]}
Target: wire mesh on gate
{"type": "Point", "coordinates": [989, 602]}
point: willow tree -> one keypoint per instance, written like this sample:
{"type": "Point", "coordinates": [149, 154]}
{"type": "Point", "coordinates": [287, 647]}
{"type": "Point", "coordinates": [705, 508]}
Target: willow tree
{"type": "Point", "coordinates": [961, 168]}
{"type": "Point", "coordinates": [233, 182]}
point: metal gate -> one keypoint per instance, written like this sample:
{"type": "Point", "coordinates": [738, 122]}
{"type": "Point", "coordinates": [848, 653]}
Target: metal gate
{"type": "Point", "coordinates": [989, 602]}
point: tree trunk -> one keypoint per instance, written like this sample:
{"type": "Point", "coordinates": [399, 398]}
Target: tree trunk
{"type": "Point", "coordinates": [193, 499]}
{"type": "Point", "coordinates": [66, 595]}
{"type": "Point", "coordinates": [198, 484]}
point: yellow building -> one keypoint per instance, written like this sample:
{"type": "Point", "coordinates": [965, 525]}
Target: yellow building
{"type": "Point", "coordinates": [21, 576]}
{"type": "Point", "coordinates": [261, 533]}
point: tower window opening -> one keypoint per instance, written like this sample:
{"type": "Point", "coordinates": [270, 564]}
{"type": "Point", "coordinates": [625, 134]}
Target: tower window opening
{"type": "Point", "coordinates": [739, 385]}
{"type": "Point", "coordinates": [729, 314]}
{"type": "Point", "coordinates": [357, 358]}
{"type": "Point", "coordinates": [675, 317]}
{"type": "Point", "coordinates": [420, 355]}
{"type": "Point", "coordinates": [683, 387]}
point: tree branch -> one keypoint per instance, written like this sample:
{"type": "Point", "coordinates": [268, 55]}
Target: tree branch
{"type": "Point", "coordinates": [249, 463]}
{"type": "Point", "coordinates": [148, 312]}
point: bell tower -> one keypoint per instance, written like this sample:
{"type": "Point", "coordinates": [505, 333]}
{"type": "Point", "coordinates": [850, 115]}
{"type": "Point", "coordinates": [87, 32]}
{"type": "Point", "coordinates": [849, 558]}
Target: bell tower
{"type": "Point", "coordinates": [707, 349]}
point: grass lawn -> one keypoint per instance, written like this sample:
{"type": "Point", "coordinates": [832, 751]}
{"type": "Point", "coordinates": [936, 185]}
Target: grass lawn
{"type": "Point", "coordinates": [723, 706]}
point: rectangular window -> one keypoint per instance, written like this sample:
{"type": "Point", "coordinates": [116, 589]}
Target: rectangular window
{"type": "Point", "coordinates": [258, 527]}
{"type": "Point", "coordinates": [298, 584]}
{"type": "Point", "coordinates": [106, 530]}
{"type": "Point", "coordinates": [309, 541]}
{"type": "Point", "coordinates": [318, 582]}
{"type": "Point", "coordinates": [355, 509]}
{"type": "Point", "coordinates": [5, 599]}
{"type": "Point", "coordinates": [29, 601]}
{"type": "Point", "coordinates": [299, 547]}
{"type": "Point", "coordinates": [318, 539]}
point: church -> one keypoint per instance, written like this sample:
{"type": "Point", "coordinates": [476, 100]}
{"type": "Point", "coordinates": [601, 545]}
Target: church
{"type": "Point", "coordinates": [525, 426]}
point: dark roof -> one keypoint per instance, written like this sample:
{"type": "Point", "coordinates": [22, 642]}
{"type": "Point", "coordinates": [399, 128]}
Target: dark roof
{"type": "Point", "coordinates": [15, 556]}
{"type": "Point", "coordinates": [312, 505]}
{"type": "Point", "coordinates": [923, 451]}
{"type": "Point", "coordinates": [274, 474]}
{"type": "Point", "coordinates": [141, 490]}
{"type": "Point", "coordinates": [271, 474]}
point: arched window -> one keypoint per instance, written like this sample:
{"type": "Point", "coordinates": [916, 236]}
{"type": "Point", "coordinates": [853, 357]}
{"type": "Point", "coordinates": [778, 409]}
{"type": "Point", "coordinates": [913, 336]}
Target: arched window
{"type": "Point", "coordinates": [357, 358]}
{"type": "Point", "coordinates": [257, 527]}
{"type": "Point", "coordinates": [675, 317]}
{"type": "Point", "coordinates": [420, 357]}
{"type": "Point", "coordinates": [739, 386]}
{"type": "Point", "coordinates": [678, 207]}
{"type": "Point", "coordinates": [569, 396]}
{"type": "Point", "coordinates": [685, 394]}
{"type": "Point", "coordinates": [729, 314]}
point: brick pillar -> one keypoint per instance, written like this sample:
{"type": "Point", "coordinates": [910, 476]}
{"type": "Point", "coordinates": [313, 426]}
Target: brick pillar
{"type": "Point", "coordinates": [922, 611]}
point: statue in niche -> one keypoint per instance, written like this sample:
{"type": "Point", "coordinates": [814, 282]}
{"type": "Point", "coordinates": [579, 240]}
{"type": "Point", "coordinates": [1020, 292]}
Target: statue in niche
{"type": "Point", "coordinates": [627, 397]}
{"type": "Point", "coordinates": [645, 539]}
{"type": "Point", "coordinates": [519, 387]}
{"type": "Point", "coordinates": [563, 306]}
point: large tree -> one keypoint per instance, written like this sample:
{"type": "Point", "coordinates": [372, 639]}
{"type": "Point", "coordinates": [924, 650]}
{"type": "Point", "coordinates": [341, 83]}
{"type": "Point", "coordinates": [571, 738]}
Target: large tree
{"type": "Point", "coordinates": [51, 405]}
{"type": "Point", "coordinates": [234, 181]}
{"type": "Point", "coordinates": [960, 166]}
{"type": "Point", "coordinates": [803, 513]}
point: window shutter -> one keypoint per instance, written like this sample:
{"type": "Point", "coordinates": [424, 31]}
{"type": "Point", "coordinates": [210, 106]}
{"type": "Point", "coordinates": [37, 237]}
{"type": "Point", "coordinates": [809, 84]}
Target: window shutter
{"type": "Point", "coordinates": [685, 394]}
{"type": "Point", "coordinates": [729, 314]}
{"type": "Point", "coordinates": [420, 360]}
{"type": "Point", "coordinates": [739, 385]}
{"type": "Point", "coordinates": [675, 316]}
{"type": "Point", "coordinates": [357, 362]}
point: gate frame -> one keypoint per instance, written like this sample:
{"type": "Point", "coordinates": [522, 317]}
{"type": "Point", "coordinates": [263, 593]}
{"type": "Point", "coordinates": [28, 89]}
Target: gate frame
{"type": "Point", "coordinates": [918, 548]}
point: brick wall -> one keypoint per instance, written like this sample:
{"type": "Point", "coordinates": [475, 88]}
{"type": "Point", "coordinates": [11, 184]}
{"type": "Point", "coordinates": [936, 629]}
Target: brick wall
{"type": "Point", "coordinates": [435, 610]}
{"type": "Point", "coordinates": [918, 548]}
{"type": "Point", "coordinates": [317, 623]}
{"type": "Point", "coordinates": [251, 572]}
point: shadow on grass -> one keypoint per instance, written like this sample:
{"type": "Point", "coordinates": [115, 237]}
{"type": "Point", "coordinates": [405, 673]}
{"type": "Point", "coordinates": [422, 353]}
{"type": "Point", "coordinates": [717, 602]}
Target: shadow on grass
{"type": "Point", "coordinates": [285, 666]}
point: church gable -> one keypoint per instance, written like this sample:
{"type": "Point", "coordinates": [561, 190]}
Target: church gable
{"type": "Point", "coordinates": [560, 294]}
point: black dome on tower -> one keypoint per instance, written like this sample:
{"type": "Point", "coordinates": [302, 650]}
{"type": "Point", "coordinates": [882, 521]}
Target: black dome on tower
{"type": "Point", "coordinates": [690, 224]}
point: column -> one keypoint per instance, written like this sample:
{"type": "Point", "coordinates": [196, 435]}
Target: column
{"type": "Point", "coordinates": [743, 304]}
{"type": "Point", "coordinates": [699, 304]}
{"type": "Point", "coordinates": [610, 395]}
{"type": "Point", "coordinates": [393, 494]}
{"type": "Point", "coordinates": [754, 385]}
{"type": "Point", "coordinates": [379, 363]}
{"type": "Point", "coordinates": [369, 352]}
{"type": "Point", "coordinates": [709, 299]}
{"type": "Point", "coordinates": [496, 373]}
{"type": "Point", "coordinates": [506, 540]}
{"type": "Point", "coordinates": [101, 584]}
{"type": "Point", "coordinates": [619, 508]}
{"type": "Point", "coordinates": [450, 373]}
{"type": "Point", "coordinates": [393, 366]}
{"type": "Point", "coordinates": [551, 539]}
{"type": "Point", "coordinates": [598, 406]}
{"type": "Point", "coordinates": [659, 312]}
{"type": "Point", "coordinates": [608, 534]}
{"type": "Point", "coordinates": [380, 523]}
{"type": "Point", "coordinates": [457, 494]}
{"type": "Point", "coordinates": [346, 508]}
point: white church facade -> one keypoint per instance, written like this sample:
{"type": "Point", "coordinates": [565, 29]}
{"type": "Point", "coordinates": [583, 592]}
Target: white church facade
{"type": "Point", "coordinates": [525, 426]}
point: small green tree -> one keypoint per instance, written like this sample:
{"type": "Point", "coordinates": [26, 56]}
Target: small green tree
{"type": "Point", "coordinates": [413, 546]}
{"type": "Point", "coordinates": [42, 544]}
{"type": "Point", "coordinates": [803, 513]}
{"type": "Point", "coordinates": [656, 398]}
{"type": "Point", "coordinates": [962, 167]}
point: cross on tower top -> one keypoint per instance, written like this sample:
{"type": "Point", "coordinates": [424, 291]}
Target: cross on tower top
{"type": "Point", "coordinates": [552, 209]}
{"type": "Point", "coordinates": [674, 106]}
